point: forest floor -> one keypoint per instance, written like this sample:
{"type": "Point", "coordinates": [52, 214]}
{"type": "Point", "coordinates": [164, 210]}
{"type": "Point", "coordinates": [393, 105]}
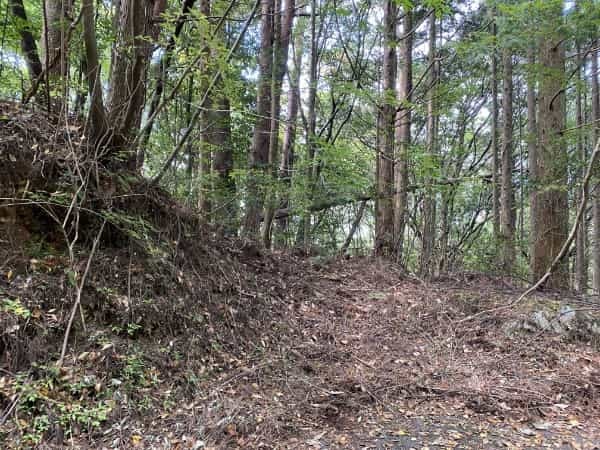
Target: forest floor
{"type": "Point", "coordinates": [386, 361]}
{"type": "Point", "coordinates": [193, 340]}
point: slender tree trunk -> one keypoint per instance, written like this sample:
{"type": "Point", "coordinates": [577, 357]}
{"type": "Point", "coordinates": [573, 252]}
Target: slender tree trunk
{"type": "Point", "coordinates": [289, 137]}
{"type": "Point", "coordinates": [494, 133]}
{"type": "Point", "coordinates": [28, 45]}
{"type": "Point", "coordinates": [56, 15]}
{"type": "Point", "coordinates": [581, 267]}
{"type": "Point", "coordinates": [97, 122]}
{"type": "Point", "coordinates": [259, 153]}
{"type": "Point", "coordinates": [532, 146]}
{"type": "Point", "coordinates": [507, 214]}
{"type": "Point", "coordinates": [551, 169]}
{"type": "Point", "coordinates": [224, 189]}
{"type": "Point", "coordinates": [354, 227]}
{"type": "Point", "coordinates": [403, 135]}
{"type": "Point", "coordinates": [283, 30]}
{"type": "Point", "coordinates": [426, 265]}
{"type": "Point", "coordinates": [162, 68]}
{"type": "Point", "coordinates": [384, 219]}
{"type": "Point", "coordinates": [209, 134]}
{"type": "Point", "coordinates": [302, 238]}
{"type": "Point", "coordinates": [595, 241]}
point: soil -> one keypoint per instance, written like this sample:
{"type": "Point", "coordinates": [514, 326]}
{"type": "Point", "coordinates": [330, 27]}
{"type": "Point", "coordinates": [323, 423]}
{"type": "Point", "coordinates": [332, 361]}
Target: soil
{"type": "Point", "coordinates": [187, 338]}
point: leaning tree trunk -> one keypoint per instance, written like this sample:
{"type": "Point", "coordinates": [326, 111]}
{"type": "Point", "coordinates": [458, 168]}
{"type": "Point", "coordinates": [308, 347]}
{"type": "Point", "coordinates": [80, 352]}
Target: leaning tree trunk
{"type": "Point", "coordinates": [551, 209]}
{"type": "Point", "coordinates": [507, 215]}
{"type": "Point", "coordinates": [384, 219]}
{"type": "Point", "coordinates": [403, 136]}
{"type": "Point", "coordinates": [426, 265]}
{"type": "Point", "coordinates": [259, 152]}
{"type": "Point", "coordinates": [28, 45]}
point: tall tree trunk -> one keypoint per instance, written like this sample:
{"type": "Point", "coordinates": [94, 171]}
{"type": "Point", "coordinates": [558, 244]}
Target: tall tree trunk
{"type": "Point", "coordinates": [28, 45]}
{"type": "Point", "coordinates": [259, 152]}
{"type": "Point", "coordinates": [209, 136]}
{"type": "Point", "coordinates": [384, 219]}
{"type": "Point", "coordinates": [56, 15]}
{"type": "Point", "coordinates": [551, 169]}
{"type": "Point", "coordinates": [130, 56]}
{"type": "Point", "coordinates": [532, 146]}
{"type": "Point", "coordinates": [224, 210]}
{"type": "Point", "coordinates": [494, 133]}
{"type": "Point", "coordinates": [507, 214]}
{"type": "Point", "coordinates": [403, 135]}
{"type": "Point", "coordinates": [302, 237]}
{"type": "Point", "coordinates": [581, 267]}
{"type": "Point", "coordinates": [97, 122]}
{"type": "Point", "coordinates": [289, 136]}
{"type": "Point", "coordinates": [426, 265]}
{"type": "Point", "coordinates": [283, 30]}
{"type": "Point", "coordinates": [595, 241]}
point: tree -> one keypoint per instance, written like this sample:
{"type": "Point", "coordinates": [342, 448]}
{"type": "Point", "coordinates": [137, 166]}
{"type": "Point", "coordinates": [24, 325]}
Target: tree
{"type": "Point", "coordinates": [429, 201]}
{"type": "Point", "coordinates": [259, 152]}
{"type": "Point", "coordinates": [507, 221]}
{"type": "Point", "coordinates": [384, 225]}
{"type": "Point", "coordinates": [550, 206]}
{"type": "Point", "coordinates": [403, 132]}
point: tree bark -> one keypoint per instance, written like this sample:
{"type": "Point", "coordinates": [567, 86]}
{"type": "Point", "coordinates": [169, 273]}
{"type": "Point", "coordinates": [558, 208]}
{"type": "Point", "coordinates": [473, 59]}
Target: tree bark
{"type": "Point", "coordinates": [259, 152]}
{"type": "Point", "coordinates": [507, 216]}
{"type": "Point", "coordinates": [127, 88]}
{"type": "Point", "coordinates": [384, 219]}
{"type": "Point", "coordinates": [281, 43]}
{"type": "Point", "coordinates": [426, 265]}
{"type": "Point", "coordinates": [96, 122]}
{"type": "Point", "coordinates": [581, 267]}
{"type": "Point", "coordinates": [56, 15]}
{"type": "Point", "coordinates": [532, 145]}
{"type": "Point", "coordinates": [403, 134]}
{"type": "Point", "coordinates": [595, 239]}
{"type": "Point", "coordinates": [551, 156]}
{"type": "Point", "coordinates": [28, 45]}
{"type": "Point", "coordinates": [209, 136]}
{"type": "Point", "coordinates": [494, 133]}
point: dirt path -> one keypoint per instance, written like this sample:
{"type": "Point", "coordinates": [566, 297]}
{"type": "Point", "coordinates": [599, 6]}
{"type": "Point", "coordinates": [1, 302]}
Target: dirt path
{"type": "Point", "coordinates": [380, 361]}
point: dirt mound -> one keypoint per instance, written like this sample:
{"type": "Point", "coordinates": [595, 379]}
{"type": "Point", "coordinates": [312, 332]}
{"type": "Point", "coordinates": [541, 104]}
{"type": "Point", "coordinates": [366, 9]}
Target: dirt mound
{"type": "Point", "coordinates": [165, 295]}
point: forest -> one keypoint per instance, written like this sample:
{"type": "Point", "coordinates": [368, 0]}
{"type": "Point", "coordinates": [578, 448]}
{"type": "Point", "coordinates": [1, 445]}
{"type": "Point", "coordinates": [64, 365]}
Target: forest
{"type": "Point", "coordinates": [282, 224]}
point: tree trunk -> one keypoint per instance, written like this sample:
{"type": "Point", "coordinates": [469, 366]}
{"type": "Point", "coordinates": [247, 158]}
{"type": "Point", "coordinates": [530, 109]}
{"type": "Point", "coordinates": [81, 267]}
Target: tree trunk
{"type": "Point", "coordinates": [494, 133]}
{"type": "Point", "coordinates": [595, 240]}
{"type": "Point", "coordinates": [403, 135]}
{"type": "Point", "coordinates": [384, 219]}
{"type": "Point", "coordinates": [127, 88]}
{"type": "Point", "coordinates": [551, 157]}
{"type": "Point", "coordinates": [289, 137]}
{"type": "Point", "coordinates": [532, 146]}
{"type": "Point", "coordinates": [283, 29]}
{"type": "Point", "coordinates": [581, 267]}
{"type": "Point", "coordinates": [426, 265]}
{"type": "Point", "coordinates": [259, 152]}
{"type": "Point", "coordinates": [507, 215]}
{"type": "Point", "coordinates": [56, 15]}
{"type": "Point", "coordinates": [209, 135]}
{"type": "Point", "coordinates": [28, 45]}
{"type": "Point", "coordinates": [96, 123]}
